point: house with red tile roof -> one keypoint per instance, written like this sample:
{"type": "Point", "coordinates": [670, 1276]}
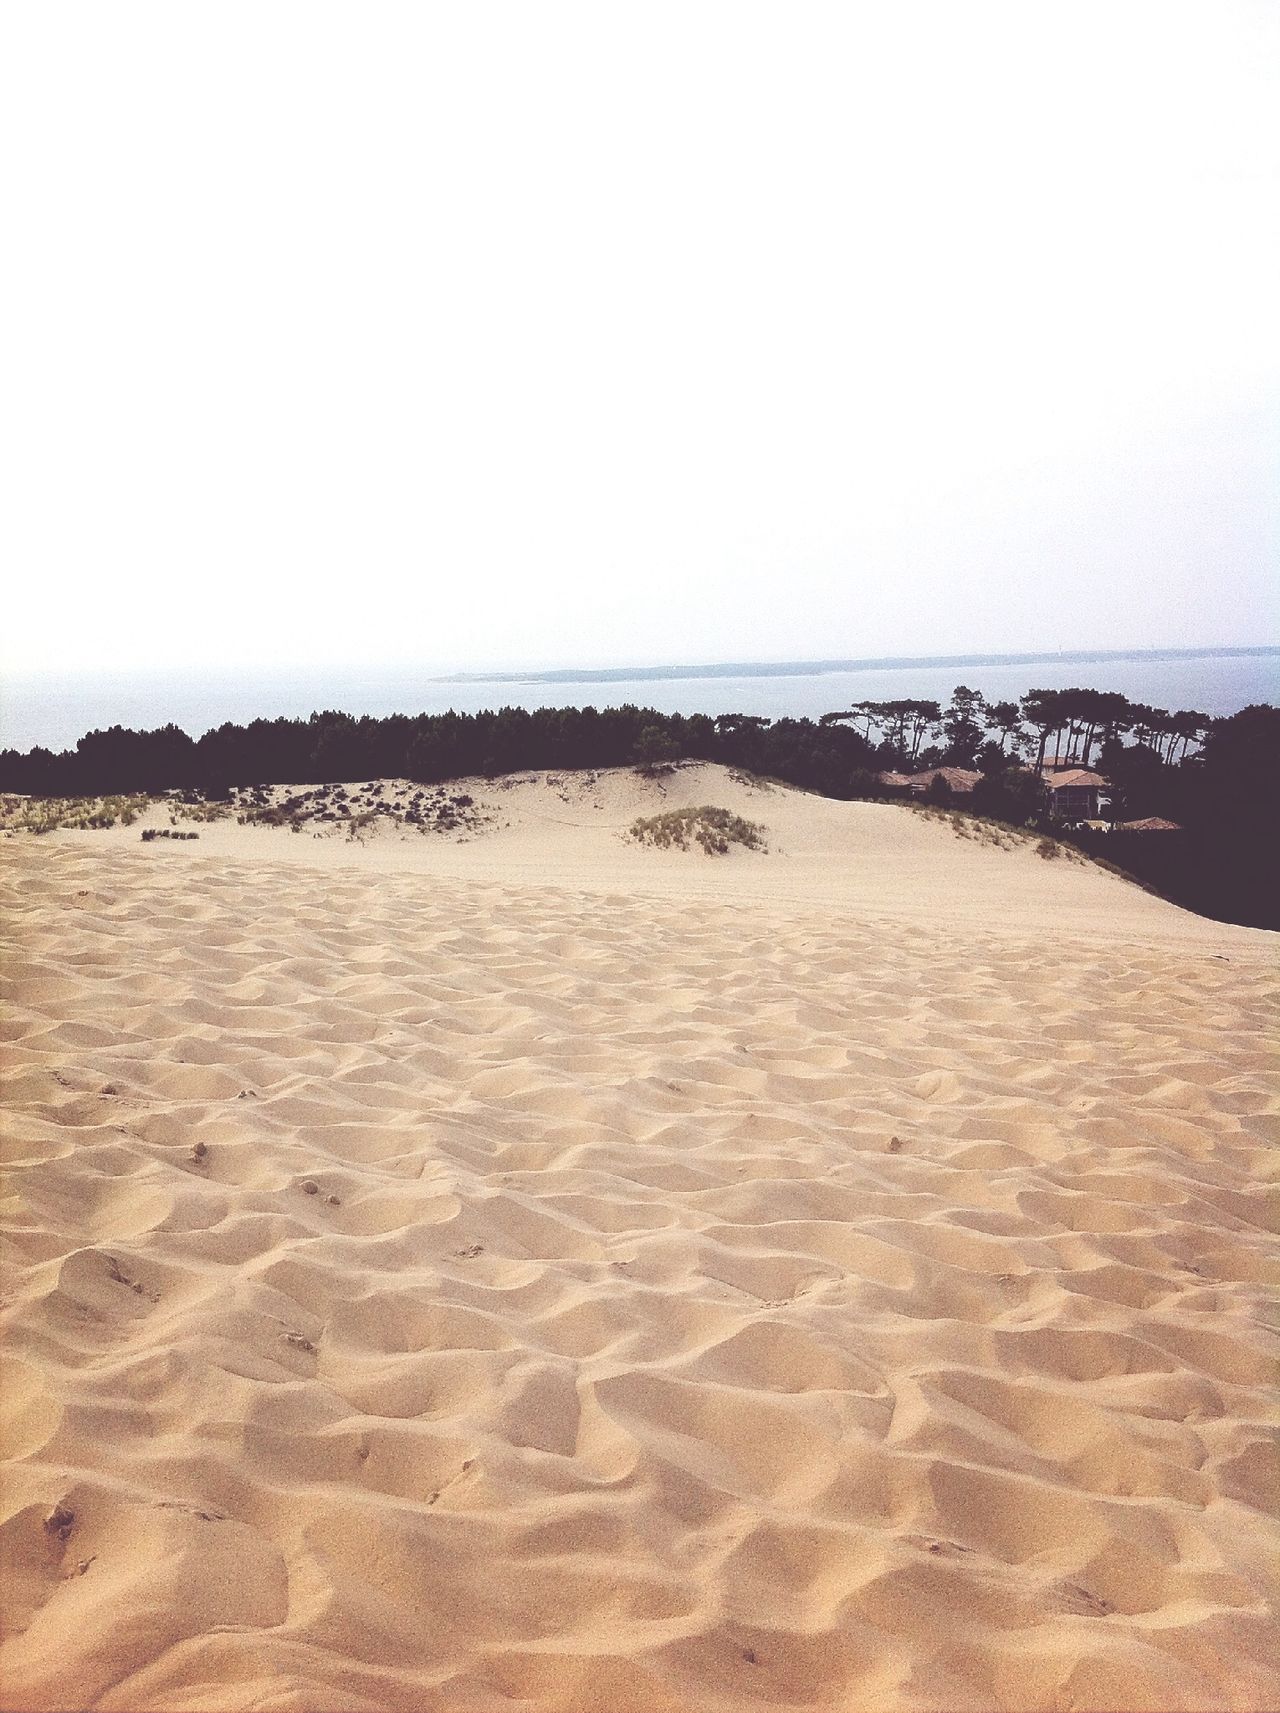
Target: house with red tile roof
{"type": "Point", "coordinates": [1075, 793]}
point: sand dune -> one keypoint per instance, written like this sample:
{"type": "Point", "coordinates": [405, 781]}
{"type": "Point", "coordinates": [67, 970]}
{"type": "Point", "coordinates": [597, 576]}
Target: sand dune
{"type": "Point", "coordinates": [876, 860]}
{"type": "Point", "coordinates": [542, 1273]}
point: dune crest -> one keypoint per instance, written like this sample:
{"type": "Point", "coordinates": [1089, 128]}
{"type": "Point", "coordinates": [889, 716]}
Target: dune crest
{"type": "Point", "coordinates": [675, 1288]}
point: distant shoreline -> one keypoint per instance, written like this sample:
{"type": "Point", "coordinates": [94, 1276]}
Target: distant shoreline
{"type": "Point", "coordinates": [816, 668]}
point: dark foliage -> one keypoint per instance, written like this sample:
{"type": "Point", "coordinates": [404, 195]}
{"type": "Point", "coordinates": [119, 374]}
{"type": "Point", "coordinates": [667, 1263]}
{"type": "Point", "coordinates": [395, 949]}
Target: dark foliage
{"type": "Point", "coordinates": [1226, 800]}
{"type": "Point", "coordinates": [432, 748]}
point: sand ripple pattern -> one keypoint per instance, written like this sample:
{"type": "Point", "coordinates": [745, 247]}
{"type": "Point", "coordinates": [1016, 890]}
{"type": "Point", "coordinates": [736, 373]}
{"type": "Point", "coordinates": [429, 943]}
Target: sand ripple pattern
{"type": "Point", "coordinates": [425, 1295]}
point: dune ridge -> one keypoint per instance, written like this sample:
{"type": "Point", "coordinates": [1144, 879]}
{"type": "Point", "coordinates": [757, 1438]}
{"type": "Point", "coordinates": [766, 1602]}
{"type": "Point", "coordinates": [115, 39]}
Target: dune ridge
{"type": "Point", "coordinates": [431, 1288]}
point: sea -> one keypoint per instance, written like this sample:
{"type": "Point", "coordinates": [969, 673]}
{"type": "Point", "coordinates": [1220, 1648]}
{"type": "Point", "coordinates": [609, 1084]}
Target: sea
{"type": "Point", "coordinates": [55, 712]}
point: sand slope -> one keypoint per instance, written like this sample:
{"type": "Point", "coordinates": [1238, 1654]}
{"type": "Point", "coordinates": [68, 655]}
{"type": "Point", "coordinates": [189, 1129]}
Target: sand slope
{"type": "Point", "coordinates": [433, 1292]}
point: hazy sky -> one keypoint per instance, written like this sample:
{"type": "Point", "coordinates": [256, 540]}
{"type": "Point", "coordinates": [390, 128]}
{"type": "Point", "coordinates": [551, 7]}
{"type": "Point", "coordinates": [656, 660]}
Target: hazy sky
{"type": "Point", "coordinates": [495, 334]}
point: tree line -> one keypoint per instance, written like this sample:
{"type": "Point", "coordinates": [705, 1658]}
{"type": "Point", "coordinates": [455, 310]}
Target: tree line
{"type": "Point", "coordinates": [331, 747]}
{"type": "Point", "coordinates": [972, 732]}
{"type": "Point", "coordinates": [831, 755]}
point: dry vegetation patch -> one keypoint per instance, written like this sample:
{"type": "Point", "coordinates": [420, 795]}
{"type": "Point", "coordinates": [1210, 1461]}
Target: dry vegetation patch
{"type": "Point", "coordinates": [715, 830]}
{"type": "Point", "coordinates": [997, 835]}
{"type": "Point", "coordinates": [80, 814]}
{"type": "Point", "coordinates": [359, 810]}
{"type": "Point", "coordinates": [356, 811]}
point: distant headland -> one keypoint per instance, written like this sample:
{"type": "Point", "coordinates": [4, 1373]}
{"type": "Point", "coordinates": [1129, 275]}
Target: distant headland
{"type": "Point", "coordinates": [869, 663]}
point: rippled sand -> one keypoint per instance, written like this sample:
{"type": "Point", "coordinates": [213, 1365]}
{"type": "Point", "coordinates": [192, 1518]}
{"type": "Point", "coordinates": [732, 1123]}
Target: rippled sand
{"type": "Point", "coordinates": [667, 1292]}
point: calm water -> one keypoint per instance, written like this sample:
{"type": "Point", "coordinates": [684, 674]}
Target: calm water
{"type": "Point", "coordinates": [56, 713]}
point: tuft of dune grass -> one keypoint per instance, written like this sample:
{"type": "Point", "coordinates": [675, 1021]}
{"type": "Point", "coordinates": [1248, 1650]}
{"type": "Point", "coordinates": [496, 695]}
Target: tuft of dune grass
{"type": "Point", "coordinates": [714, 830]}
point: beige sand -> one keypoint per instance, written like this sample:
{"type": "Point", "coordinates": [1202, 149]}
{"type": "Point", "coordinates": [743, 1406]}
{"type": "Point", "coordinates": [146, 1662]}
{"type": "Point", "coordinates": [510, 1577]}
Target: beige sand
{"type": "Point", "coordinates": [535, 1273]}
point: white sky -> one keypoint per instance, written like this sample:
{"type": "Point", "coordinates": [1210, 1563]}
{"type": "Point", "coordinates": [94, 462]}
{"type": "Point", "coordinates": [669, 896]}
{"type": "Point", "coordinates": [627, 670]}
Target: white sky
{"type": "Point", "coordinates": [493, 334]}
